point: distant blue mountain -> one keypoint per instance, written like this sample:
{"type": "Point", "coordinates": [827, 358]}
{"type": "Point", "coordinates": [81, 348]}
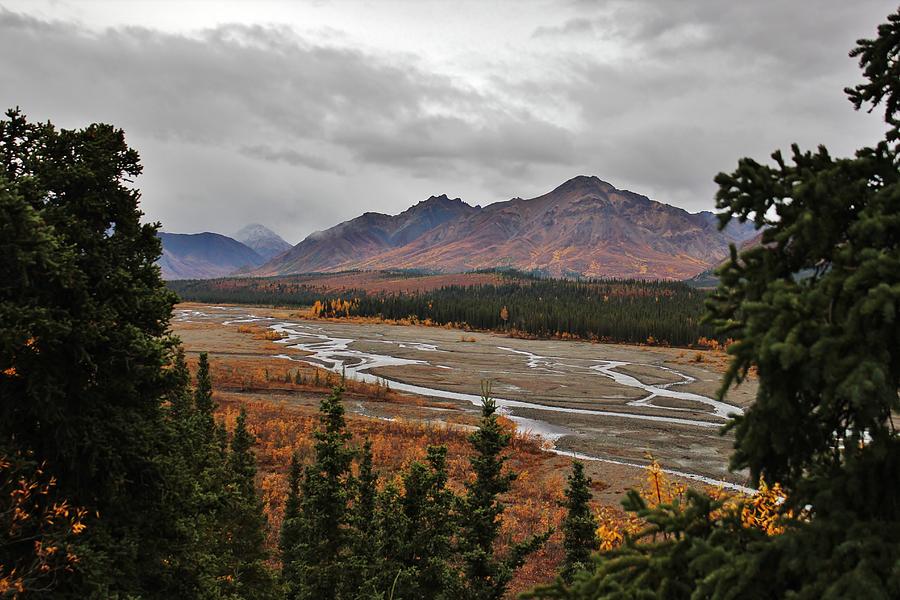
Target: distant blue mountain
{"type": "Point", "coordinates": [204, 256]}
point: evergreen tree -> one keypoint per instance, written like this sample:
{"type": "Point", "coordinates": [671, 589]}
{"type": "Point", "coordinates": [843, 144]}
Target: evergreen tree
{"type": "Point", "coordinates": [366, 492]}
{"type": "Point", "coordinates": [321, 555]}
{"type": "Point", "coordinates": [289, 536]}
{"type": "Point", "coordinates": [84, 343]}
{"type": "Point", "coordinates": [486, 575]}
{"type": "Point", "coordinates": [425, 551]}
{"type": "Point", "coordinates": [249, 576]}
{"type": "Point", "coordinates": [579, 526]}
{"type": "Point", "coordinates": [203, 400]}
{"type": "Point", "coordinates": [367, 563]}
{"type": "Point", "coordinates": [390, 529]}
{"type": "Point", "coordinates": [191, 561]}
{"type": "Point", "coordinates": [179, 395]}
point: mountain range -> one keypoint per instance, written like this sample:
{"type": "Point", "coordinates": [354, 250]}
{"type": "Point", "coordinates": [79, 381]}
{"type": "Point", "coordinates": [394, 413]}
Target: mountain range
{"type": "Point", "coordinates": [583, 227]}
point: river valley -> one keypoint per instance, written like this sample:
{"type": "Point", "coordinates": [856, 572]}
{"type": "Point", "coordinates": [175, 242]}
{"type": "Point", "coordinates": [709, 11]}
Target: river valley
{"type": "Point", "coordinates": [616, 404]}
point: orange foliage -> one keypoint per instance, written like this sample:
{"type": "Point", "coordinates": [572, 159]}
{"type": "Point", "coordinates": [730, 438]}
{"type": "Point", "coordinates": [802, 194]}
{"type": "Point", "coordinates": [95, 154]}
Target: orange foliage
{"type": "Point", "coordinates": [39, 523]}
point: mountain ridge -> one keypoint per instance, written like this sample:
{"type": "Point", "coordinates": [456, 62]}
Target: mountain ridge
{"type": "Point", "coordinates": [584, 226]}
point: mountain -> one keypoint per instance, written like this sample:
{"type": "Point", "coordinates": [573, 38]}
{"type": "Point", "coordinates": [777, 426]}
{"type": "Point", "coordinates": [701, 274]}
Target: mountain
{"type": "Point", "coordinates": [585, 227]}
{"type": "Point", "coordinates": [204, 255]}
{"type": "Point", "coordinates": [263, 240]}
{"type": "Point", "coordinates": [367, 236]}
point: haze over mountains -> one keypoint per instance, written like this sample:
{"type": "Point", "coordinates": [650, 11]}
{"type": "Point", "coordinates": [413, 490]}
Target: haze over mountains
{"type": "Point", "coordinates": [583, 227]}
{"type": "Point", "coordinates": [204, 255]}
{"type": "Point", "coordinates": [209, 255]}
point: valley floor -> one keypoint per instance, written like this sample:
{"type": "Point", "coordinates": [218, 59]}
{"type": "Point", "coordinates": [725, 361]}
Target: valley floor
{"type": "Point", "coordinates": [615, 402]}
{"type": "Point", "coordinates": [408, 386]}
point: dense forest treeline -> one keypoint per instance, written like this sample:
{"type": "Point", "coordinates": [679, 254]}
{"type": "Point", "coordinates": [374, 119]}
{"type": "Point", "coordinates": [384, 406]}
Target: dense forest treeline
{"type": "Point", "coordinates": [633, 311]}
{"type": "Point", "coordinates": [615, 310]}
{"type": "Point", "coordinates": [263, 292]}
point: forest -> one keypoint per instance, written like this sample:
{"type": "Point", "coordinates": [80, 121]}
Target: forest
{"type": "Point", "coordinates": [120, 479]}
{"type": "Point", "coordinates": [631, 311]}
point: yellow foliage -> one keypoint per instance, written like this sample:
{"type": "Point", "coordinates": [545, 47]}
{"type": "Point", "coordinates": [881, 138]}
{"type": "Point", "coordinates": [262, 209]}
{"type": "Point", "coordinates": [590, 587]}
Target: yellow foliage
{"type": "Point", "coordinates": [763, 510]}
{"type": "Point", "coordinates": [613, 525]}
{"type": "Point", "coordinates": [658, 487]}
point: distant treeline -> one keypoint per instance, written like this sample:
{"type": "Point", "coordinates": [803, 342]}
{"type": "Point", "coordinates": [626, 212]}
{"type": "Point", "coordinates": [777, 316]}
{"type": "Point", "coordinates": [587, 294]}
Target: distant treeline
{"type": "Point", "coordinates": [608, 310]}
{"type": "Point", "coordinates": [252, 291]}
{"type": "Point", "coordinates": [622, 311]}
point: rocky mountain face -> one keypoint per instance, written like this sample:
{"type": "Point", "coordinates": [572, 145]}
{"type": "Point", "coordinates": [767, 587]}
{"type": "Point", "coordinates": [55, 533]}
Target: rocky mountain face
{"type": "Point", "coordinates": [263, 240]}
{"type": "Point", "coordinates": [204, 256]}
{"type": "Point", "coordinates": [585, 227]}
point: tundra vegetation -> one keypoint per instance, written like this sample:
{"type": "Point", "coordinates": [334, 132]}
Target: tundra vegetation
{"type": "Point", "coordinates": [121, 479]}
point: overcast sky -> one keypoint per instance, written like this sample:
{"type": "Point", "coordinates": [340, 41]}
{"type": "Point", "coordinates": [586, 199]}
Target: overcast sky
{"type": "Point", "coordinates": [299, 115]}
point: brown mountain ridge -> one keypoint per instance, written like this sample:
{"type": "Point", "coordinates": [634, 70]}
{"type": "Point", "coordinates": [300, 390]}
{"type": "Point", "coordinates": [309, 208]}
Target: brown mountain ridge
{"type": "Point", "coordinates": [583, 227]}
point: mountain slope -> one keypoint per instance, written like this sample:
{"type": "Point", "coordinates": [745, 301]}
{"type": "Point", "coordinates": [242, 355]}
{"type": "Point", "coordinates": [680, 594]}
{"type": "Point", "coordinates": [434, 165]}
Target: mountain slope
{"type": "Point", "coordinates": [263, 240]}
{"type": "Point", "coordinates": [203, 255]}
{"type": "Point", "coordinates": [585, 226]}
{"type": "Point", "coordinates": [367, 237]}
{"type": "Point", "coordinates": [708, 278]}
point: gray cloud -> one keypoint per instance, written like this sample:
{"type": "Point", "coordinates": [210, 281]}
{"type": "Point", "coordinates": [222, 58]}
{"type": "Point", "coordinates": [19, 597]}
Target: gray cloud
{"type": "Point", "coordinates": [278, 128]}
{"type": "Point", "coordinates": [576, 26]}
{"type": "Point", "coordinates": [291, 157]}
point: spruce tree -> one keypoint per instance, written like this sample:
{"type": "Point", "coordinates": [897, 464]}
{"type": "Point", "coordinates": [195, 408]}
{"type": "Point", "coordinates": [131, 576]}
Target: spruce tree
{"type": "Point", "coordinates": [289, 536]}
{"type": "Point", "coordinates": [366, 492]}
{"type": "Point", "coordinates": [425, 552]}
{"type": "Point", "coordinates": [249, 576]}
{"type": "Point", "coordinates": [203, 400]}
{"type": "Point", "coordinates": [580, 526]}
{"type": "Point", "coordinates": [366, 563]}
{"type": "Point", "coordinates": [321, 555]}
{"type": "Point", "coordinates": [179, 395]}
{"type": "Point", "coordinates": [485, 575]}
{"type": "Point", "coordinates": [84, 345]}
{"type": "Point", "coordinates": [390, 531]}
